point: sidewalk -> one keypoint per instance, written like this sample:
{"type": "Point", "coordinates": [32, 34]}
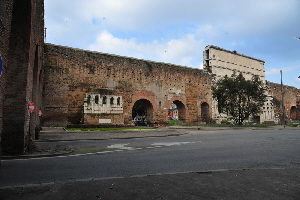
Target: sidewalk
{"type": "Point", "coordinates": [60, 134]}
{"type": "Point", "coordinates": [275, 184]}
{"type": "Point", "coordinates": [54, 134]}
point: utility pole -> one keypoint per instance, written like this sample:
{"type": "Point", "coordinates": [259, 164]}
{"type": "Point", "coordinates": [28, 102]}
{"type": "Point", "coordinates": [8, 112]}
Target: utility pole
{"type": "Point", "coordinates": [299, 39]}
{"type": "Point", "coordinates": [282, 94]}
{"type": "Point", "coordinates": [45, 34]}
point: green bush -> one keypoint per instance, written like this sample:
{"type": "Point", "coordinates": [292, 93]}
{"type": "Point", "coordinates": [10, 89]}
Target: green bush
{"type": "Point", "coordinates": [224, 121]}
{"type": "Point", "coordinates": [293, 125]}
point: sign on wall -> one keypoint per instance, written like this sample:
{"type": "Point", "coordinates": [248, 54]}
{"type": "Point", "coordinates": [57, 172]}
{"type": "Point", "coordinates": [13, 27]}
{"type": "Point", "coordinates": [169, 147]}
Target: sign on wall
{"type": "Point", "coordinates": [31, 107]}
{"type": "Point", "coordinates": [105, 121]}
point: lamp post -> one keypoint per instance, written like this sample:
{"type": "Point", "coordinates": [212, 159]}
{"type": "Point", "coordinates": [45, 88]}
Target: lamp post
{"type": "Point", "coordinates": [299, 39]}
{"type": "Point", "coordinates": [282, 94]}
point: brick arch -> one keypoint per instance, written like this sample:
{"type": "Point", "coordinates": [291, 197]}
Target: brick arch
{"type": "Point", "coordinates": [293, 113]}
{"type": "Point", "coordinates": [149, 99]}
{"type": "Point", "coordinates": [205, 116]}
{"type": "Point", "coordinates": [181, 106]}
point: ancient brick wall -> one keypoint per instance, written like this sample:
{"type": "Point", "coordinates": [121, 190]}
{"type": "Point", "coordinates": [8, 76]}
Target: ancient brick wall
{"type": "Point", "coordinates": [72, 73]}
{"type": "Point", "coordinates": [291, 99]}
{"type": "Point", "coordinates": [5, 18]}
{"type": "Point", "coordinates": [55, 94]}
{"type": "Point", "coordinates": [22, 54]}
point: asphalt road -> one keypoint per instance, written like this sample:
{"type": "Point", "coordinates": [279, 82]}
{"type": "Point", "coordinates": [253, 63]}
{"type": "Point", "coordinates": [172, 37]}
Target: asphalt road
{"type": "Point", "coordinates": [196, 151]}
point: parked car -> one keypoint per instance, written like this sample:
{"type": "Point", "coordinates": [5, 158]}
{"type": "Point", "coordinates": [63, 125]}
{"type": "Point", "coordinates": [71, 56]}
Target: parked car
{"type": "Point", "coordinates": [139, 123]}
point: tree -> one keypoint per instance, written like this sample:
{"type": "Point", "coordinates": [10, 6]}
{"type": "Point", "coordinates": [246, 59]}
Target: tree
{"type": "Point", "coordinates": [239, 97]}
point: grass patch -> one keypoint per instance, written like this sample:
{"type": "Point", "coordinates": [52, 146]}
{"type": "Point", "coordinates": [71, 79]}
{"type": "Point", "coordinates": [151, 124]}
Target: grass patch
{"type": "Point", "coordinates": [293, 125]}
{"type": "Point", "coordinates": [229, 125]}
{"type": "Point", "coordinates": [106, 129]}
{"type": "Point", "coordinates": [173, 122]}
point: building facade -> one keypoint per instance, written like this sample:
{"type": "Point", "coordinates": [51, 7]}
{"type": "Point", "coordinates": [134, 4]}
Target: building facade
{"type": "Point", "coordinates": [220, 62]}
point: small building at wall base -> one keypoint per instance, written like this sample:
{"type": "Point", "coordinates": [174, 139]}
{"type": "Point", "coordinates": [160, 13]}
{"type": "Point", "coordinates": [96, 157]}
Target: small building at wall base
{"type": "Point", "coordinates": [103, 109]}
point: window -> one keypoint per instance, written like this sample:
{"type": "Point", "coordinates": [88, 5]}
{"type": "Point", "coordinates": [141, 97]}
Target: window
{"type": "Point", "coordinates": [111, 101]}
{"type": "Point", "coordinates": [104, 100]}
{"type": "Point", "coordinates": [118, 101]}
{"type": "Point", "coordinates": [89, 99]}
{"type": "Point", "coordinates": [96, 99]}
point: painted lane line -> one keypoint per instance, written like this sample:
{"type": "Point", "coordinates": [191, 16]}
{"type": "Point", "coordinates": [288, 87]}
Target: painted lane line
{"type": "Point", "coordinates": [168, 144]}
{"type": "Point", "coordinates": [120, 146]}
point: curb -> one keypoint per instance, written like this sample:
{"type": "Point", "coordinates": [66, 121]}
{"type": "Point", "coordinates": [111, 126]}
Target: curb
{"type": "Point", "coordinates": [31, 156]}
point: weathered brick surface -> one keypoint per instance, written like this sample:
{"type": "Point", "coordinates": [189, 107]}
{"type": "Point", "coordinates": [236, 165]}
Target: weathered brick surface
{"type": "Point", "coordinates": [5, 18]}
{"type": "Point", "coordinates": [291, 100]}
{"type": "Point", "coordinates": [22, 51]}
{"type": "Point", "coordinates": [73, 72]}
{"type": "Point", "coordinates": [55, 96]}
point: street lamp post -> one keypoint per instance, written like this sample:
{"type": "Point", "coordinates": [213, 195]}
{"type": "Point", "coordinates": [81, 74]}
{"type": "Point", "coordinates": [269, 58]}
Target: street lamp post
{"type": "Point", "coordinates": [282, 94]}
{"type": "Point", "coordinates": [299, 39]}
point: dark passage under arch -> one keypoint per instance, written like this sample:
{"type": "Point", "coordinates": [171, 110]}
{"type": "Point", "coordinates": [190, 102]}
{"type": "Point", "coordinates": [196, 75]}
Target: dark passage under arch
{"type": "Point", "coordinates": [142, 112]}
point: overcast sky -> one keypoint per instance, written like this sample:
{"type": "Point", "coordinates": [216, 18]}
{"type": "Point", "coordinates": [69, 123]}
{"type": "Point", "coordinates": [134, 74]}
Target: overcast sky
{"type": "Point", "coordinates": [177, 31]}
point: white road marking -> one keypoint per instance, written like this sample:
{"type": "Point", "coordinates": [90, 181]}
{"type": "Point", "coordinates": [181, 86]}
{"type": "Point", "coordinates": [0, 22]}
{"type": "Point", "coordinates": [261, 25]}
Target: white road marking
{"type": "Point", "coordinates": [120, 146]}
{"type": "Point", "coordinates": [168, 144]}
{"type": "Point", "coordinates": [116, 148]}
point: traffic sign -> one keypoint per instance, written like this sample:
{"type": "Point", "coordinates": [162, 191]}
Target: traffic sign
{"type": "Point", "coordinates": [31, 107]}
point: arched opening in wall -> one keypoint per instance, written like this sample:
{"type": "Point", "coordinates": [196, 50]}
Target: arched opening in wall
{"type": "Point", "coordinates": [89, 99]}
{"type": "Point", "coordinates": [205, 117]}
{"type": "Point", "coordinates": [111, 101]}
{"type": "Point", "coordinates": [293, 113]}
{"type": "Point", "coordinates": [96, 99]}
{"type": "Point", "coordinates": [177, 111]}
{"type": "Point", "coordinates": [142, 112]}
{"type": "Point", "coordinates": [172, 112]}
{"type": "Point", "coordinates": [104, 100]}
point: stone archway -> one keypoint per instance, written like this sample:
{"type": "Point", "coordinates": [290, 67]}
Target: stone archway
{"type": "Point", "coordinates": [293, 113]}
{"type": "Point", "coordinates": [181, 111]}
{"type": "Point", "coordinates": [205, 117]}
{"type": "Point", "coordinates": [142, 110]}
